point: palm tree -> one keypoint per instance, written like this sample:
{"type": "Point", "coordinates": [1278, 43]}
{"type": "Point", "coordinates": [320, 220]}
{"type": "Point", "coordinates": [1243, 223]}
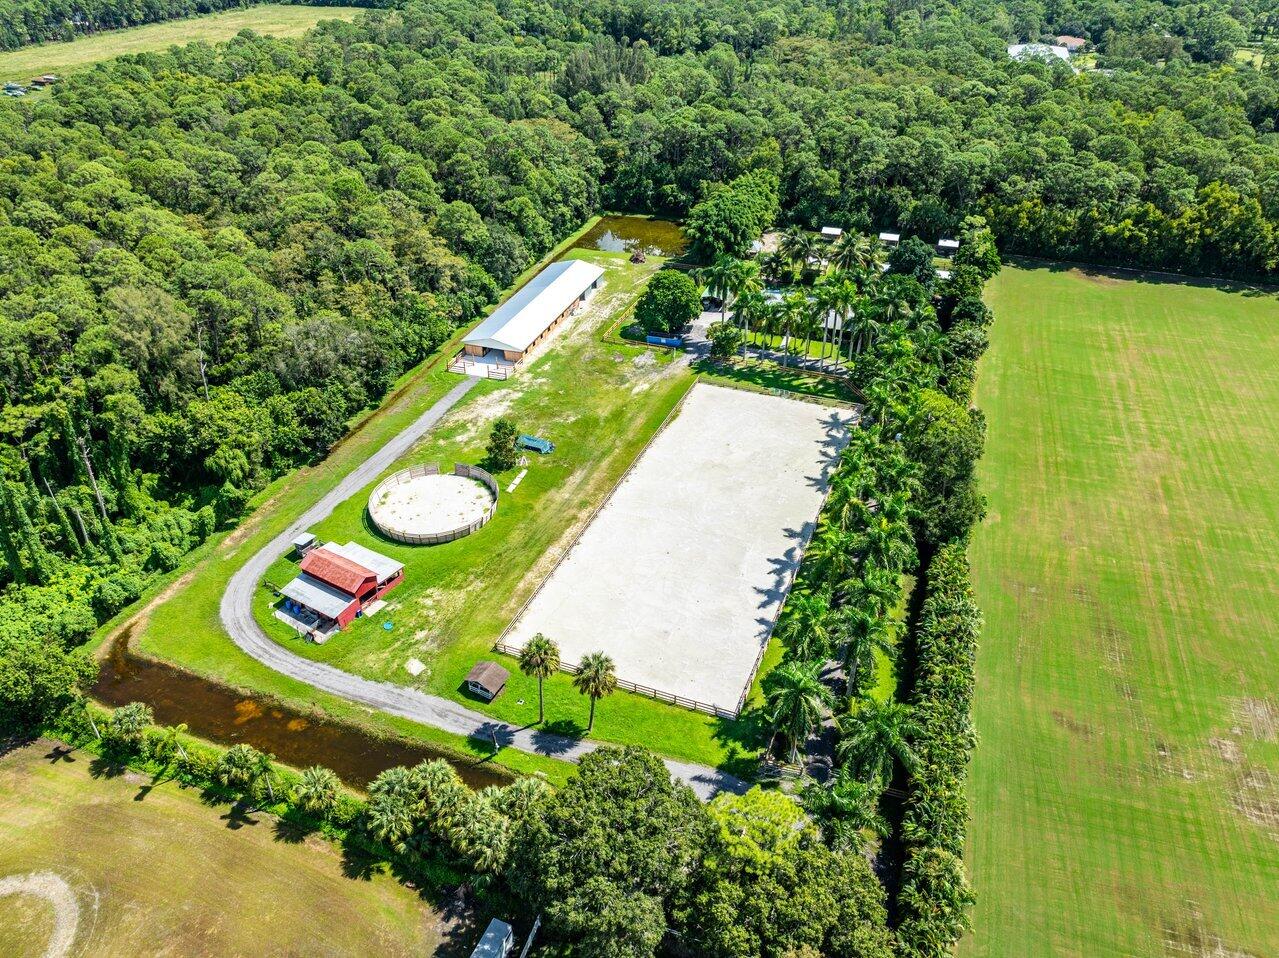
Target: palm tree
{"type": "Point", "coordinates": [751, 310]}
{"type": "Point", "coordinates": [772, 265]}
{"type": "Point", "coordinates": [596, 677]}
{"type": "Point", "coordinates": [128, 724]}
{"type": "Point", "coordinates": [796, 701]}
{"type": "Point", "coordinates": [718, 279]}
{"type": "Point", "coordinates": [317, 790]}
{"type": "Point", "coordinates": [540, 658]}
{"type": "Point", "coordinates": [857, 253]}
{"type": "Point", "coordinates": [878, 590]}
{"type": "Point", "coordinates": [743, 283]}
{"type": "Point", "coordinates": [804, 626]}
{"type": "Point", "coordinates": [166, 743]}
{"type": "Point", "coordinates": [862, 631]}
{"type": "Point", "coordinates": [889, 545]}
{"type": "Point", "coordinates": [876, 737]}
{"type": "Point", "coordinates": [797, 247]}
{"type": "Point", "coordinates": [841, 297]}
{"type": "Point", "coordinates": [847, 809]}
{"type": "Point", "coordinates": [393, 806]}
{"type": "Point", "coordinates": [243, 766]}
{"type": "Point", "coordinates": [834, 552]}
{"type": "Point", "coordinates": [790, 313]}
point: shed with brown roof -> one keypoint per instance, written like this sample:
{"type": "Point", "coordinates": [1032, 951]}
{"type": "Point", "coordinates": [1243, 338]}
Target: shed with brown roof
{"type": "Point", "coordinates": [487, 679]}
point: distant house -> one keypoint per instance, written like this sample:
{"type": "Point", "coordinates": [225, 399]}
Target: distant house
{"type": "Point", "coordinates": [831, 233]}
{"type": "Point", "coordinates": [947, 247]}
{"type": "Point", "coordinates": [1038, 51]}
{"type": "Point", "coordinates": [524, 320]}
{"type": "Point", "coordinates": [498, 940]}
{"type": "Point", "coordinates": [1073, 44]}
{"type": "Point", "coordinates": [890, 239]}
{"type": "Point", "coordinates": [487, 679]}
{"type": "Point", "coordinates": [336, 584]}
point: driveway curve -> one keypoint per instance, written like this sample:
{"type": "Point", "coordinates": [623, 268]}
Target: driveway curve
{"type": "Point", "coordinates": [53, 889]}
{"type": "Point", "coordinates": [236, 612]}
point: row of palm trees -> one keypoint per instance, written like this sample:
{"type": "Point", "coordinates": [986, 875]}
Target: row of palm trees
{"type": "Point", "coordinates": [843, 311]}
{"type": "Point", "coordinates": [844, 608]}
{"type": "Point", "coordinates": [596, 674]}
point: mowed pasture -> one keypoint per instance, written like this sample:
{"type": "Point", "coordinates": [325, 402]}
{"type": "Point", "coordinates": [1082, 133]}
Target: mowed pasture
{"type": "Point", "coordinates": [154, 870]}
{"type": "Point", "coordinates": [270, 19]}
{"type": "Point", "coordinates": [1125, 789]}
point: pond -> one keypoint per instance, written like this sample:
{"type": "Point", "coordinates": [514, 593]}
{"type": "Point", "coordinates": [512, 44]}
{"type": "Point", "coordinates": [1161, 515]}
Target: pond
{"type": "Point", "coordinates": [625, 234]}
{"type": "Point", "coordinates": [226, 716]}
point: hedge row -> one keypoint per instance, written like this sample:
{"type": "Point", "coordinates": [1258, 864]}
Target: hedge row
{"type": "Point", "coordinates": [935, 893]}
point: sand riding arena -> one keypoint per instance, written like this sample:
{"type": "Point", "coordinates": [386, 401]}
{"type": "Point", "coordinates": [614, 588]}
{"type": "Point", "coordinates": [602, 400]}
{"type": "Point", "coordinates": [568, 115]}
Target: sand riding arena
{"type": "Point", "coordinates": [423, 506]}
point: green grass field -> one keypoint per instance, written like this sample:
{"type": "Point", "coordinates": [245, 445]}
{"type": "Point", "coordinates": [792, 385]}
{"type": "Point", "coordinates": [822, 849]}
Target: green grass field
{"type": "Point", "coordinates": [155, 870]}
{"type": "Point", "coordinates": [63, 58]}
{"type": "Point", "coordinates": [1125, 790]}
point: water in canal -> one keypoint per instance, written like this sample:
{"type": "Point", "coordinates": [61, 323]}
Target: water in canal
{"type": "Point", "coordinates": [223, 715]}
{"type": "Point", "coordinates": [625, 234]}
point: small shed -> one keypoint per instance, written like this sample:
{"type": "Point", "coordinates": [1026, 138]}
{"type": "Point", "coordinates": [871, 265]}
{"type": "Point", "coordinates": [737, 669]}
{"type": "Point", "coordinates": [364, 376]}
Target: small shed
{"type": "Point", "coordinates": [831, 232]}
{"type": "Point", "coordinates": [304, 543]}
{"type": "Point", "coordinates": [890, 239]}
{"type": "Point", "coordinates": [943, 274]}
{"type": "Point", "coordinates": [498, 940]}
{"type": "Point", "coordinates": [487, 679]}
{"type": "Point", "coordinates": [947, 246]}
{"type": "Point", "coordinates": [1073, 44]}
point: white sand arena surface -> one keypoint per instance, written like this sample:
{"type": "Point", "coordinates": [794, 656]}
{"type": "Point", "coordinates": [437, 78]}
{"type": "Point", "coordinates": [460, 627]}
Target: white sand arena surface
{"type": "Point", "coordinates": [431, 505]}
{"type": "Point", "coordinates": [681, 574]}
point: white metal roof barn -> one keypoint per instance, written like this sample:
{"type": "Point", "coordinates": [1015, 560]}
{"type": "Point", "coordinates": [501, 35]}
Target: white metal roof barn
{"type": "Point", "coordinates": [519, 322]}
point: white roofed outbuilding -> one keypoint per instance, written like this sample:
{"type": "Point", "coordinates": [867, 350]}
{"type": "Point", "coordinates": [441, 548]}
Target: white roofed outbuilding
{"type": "Point", "coordinates": [384, 567]}
{"type": "Point", "coordinates": [523, 321]}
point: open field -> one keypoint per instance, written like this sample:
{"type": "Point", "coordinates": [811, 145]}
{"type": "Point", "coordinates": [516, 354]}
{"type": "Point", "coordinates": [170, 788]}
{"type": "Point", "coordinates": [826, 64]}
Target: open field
{"type": "Point", "coordinates": [599, 402]}
{"type": "Point", "coordinates": [680, 576]}
{"type": "Point", "coordinates": [154, 870]}
{"type": "Point", "coordinates": [1125, 790]}
{"type": "Point", "coordinates": [63, 58]}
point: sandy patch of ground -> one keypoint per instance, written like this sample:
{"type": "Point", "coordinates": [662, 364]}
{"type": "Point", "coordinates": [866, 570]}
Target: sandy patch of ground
{"type": "Point", "coordinates": [431, 505]}
{"type": "Point", "coordinates": [680, 576]}
{"type": "Point", "coordinates": [54, 890]}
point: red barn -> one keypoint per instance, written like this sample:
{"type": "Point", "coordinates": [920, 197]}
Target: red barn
{"type": "Point", "coordinates": [336, 584]}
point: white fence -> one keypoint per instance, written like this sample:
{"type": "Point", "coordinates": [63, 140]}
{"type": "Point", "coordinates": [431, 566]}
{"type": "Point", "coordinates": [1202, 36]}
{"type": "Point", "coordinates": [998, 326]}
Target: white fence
{"type": "Point", "coordinates": [436, 538]}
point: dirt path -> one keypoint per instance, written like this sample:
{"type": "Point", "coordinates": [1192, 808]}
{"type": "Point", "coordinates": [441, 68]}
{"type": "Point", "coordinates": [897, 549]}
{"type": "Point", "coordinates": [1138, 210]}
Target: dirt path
{"type": "Point", "coordinates": [66, 910]}
{"type": "Point", "coordinates": [237, 618]}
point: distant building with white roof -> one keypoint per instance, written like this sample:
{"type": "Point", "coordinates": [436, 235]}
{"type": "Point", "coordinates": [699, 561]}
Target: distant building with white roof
{"type": "Point", "coordinates": [524, 320]}
{"type": "Point", "coordinates": [1038, 51]}
{"type": "Point", "coordinates": [831, 232]}
{"type": "Point", "coordinates": [890, 239]}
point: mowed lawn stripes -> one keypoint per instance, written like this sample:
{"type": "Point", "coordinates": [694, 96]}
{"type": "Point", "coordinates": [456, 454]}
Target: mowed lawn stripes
{"type": "Point", "coordinates": [1125, 791]}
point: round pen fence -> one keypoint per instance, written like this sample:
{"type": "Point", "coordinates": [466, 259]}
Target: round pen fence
{"type": "Point", "coordinates": [389, 529]}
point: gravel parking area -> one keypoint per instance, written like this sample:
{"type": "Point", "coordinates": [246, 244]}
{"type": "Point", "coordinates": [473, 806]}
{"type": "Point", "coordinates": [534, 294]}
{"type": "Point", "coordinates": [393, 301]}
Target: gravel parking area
{"type": "Point", "coordinates": [680, 576]}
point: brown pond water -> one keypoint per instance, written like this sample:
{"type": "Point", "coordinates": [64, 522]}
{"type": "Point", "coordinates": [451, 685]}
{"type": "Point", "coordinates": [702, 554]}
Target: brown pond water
{"type": "Point", "coordinates": [624, 234]}
{"type": "Point", "coordinates": [223, 715]}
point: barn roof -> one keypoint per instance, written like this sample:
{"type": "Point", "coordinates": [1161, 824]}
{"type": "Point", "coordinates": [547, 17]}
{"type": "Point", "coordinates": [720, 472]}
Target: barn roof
{"type": "Point", "coordinates": [336, 570]}
{"type": "Point", "coordinates": [384, 567]}
{"type": "Point", "coordinates": [521, 319]}
{"type": "Point", "coordinates": [317, 595]}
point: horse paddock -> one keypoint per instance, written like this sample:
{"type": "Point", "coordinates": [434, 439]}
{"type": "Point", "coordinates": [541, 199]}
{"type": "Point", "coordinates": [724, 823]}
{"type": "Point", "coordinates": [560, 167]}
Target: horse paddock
{"type": "Point", "coordinates": [681, 574]}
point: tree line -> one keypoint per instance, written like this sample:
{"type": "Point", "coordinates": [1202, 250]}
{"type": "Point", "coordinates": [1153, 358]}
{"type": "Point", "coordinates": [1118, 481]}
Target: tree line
{"type": "Point", "coordinates": [23, 22]}
{"type": "Point", "coordinates": [620, 861]}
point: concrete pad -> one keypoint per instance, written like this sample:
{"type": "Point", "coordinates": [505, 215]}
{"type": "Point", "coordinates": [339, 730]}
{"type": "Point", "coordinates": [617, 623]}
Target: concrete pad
{"type": "Point", "coordinates": [415, 667]}
{"type": "Point", "coordinates": [680, 576]}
